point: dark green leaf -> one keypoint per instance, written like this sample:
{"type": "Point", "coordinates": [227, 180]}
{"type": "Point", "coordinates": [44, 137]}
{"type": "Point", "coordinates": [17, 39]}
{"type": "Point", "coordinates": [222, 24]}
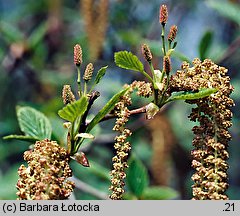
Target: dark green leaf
{"type": "Point", "coordinates": [100, 74]}
{"type": "Point", "coordinates": [127, 60]}
{"type": "Point", "coordinates": [137, 177]}
{"type": "Point", "coordinates": [73, 110]}
{"type": "Point", "coordinates": [205, 44]}
{"type": "Point", "coordinates": [191, 95]}
{"type": "Point", "coordinates": [34, 123]}
{"type": "Point", "coordinates": [11, 33]}
{"type": "Point", "coordinates": [37, 36]}
{"type": "Point", "coordinates": [159, 193]}
{"type": "Point", "coordinates": [105, 110]}
{"type": "Point", "coordinates": [227, 9]}
{"type": "Point", "coordinates": [21, 137]}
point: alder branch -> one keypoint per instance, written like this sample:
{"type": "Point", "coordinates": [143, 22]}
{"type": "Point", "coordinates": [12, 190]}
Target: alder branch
{"type": "Point", "coordinates": [94, 95]}
{"type": "Point", "coordinates": [132, 112]}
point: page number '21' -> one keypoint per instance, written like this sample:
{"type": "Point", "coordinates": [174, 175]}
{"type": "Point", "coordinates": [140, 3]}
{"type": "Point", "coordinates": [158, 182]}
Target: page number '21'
{"type": "Point", "coordinates": [229, 207]}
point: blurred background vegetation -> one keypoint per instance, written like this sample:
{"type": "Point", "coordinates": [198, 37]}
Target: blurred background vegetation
{"type": "Point", "coordinates": [36, 47]}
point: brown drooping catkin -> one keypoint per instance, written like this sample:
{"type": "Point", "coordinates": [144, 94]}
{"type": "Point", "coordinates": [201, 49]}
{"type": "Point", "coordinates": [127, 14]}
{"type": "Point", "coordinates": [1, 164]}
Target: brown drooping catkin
{"type": "Point", "coordinates": [95, 15]}
{"type": "Point", "coordinates": [211, 137]}
{"type": "Point", "coordinates": [122, 147]}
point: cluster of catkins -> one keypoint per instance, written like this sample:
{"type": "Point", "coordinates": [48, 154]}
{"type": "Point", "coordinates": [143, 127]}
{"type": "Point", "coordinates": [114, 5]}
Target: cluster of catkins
{"type": "Point", "coordinates": [46, 176]}
{"type": "Point", "coordinates": [211, 136]}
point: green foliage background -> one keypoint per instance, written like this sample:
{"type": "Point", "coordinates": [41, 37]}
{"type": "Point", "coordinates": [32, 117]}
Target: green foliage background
{"type": "Point", "coordinates": [34, 77]}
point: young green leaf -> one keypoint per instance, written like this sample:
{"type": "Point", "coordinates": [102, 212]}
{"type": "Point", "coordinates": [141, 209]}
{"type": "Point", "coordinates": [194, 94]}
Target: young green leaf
{"type": "Point", "coordinates": [34, 123]}
{"type": "Point", "coordinates": [73, 110]}
{"type": "Point", "coordinates": [205, 44]}
{"type": "Point", "coordinates": [205, 92]}
{"type": "Point", "coordinates": [100, 74]}
{"type": "Point", "coordinates": [137, 177]}
{"type": "Point", "coordinates": [159, 193]}
{"type": "Point", "coordinates": [127, 60]}
{"type": "Point", "coordinates": [21, 137]}
{"type": "Point", "coordinates": [105, 110]}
